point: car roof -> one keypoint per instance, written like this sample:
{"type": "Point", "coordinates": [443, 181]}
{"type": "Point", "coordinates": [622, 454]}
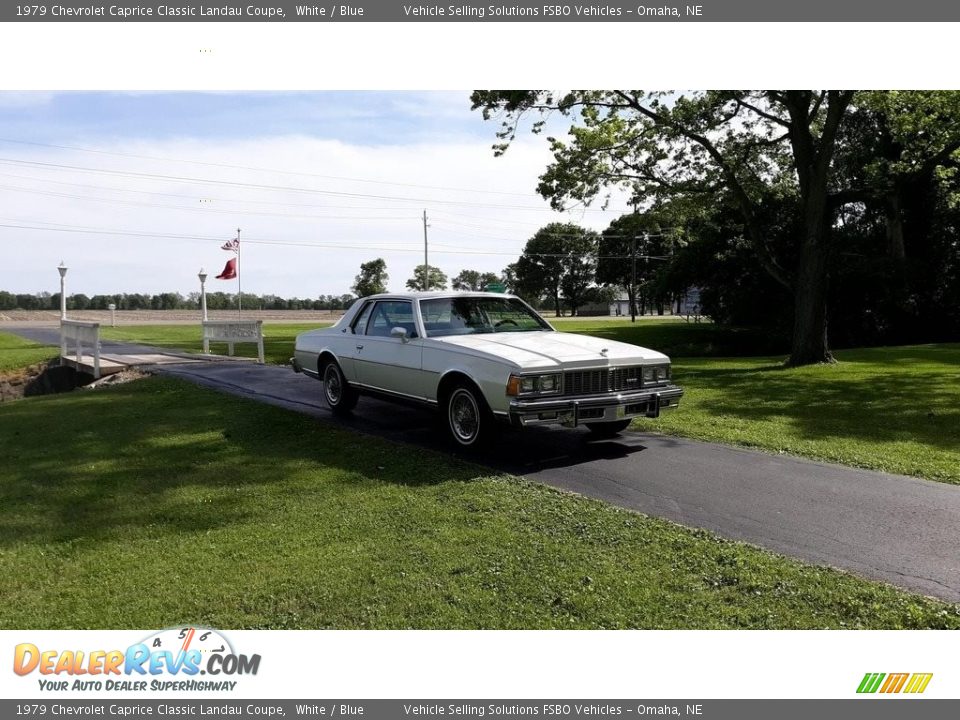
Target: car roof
{"type": "Point", "coordinates": [434, 294]}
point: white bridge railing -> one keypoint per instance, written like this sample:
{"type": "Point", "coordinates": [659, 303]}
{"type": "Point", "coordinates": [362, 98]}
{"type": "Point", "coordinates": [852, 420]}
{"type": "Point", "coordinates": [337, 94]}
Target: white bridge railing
{"type": "Point", "coordinates": [233, 331]}
{"type": "Point", "coordinates": [80, 338]}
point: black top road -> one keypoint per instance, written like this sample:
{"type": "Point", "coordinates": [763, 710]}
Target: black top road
{"type": "Point", "coordinates": [902, 530]}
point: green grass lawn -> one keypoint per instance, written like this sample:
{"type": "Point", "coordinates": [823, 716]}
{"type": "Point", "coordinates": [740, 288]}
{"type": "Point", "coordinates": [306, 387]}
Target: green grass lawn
{"type": "Point", "coordinates": [17, 353]}
{"type": "Point", "coordinates": [158, 502]}
{"type": "Point", "coordinates": [894, 409]}
{"type": "Point", "coordinates": [676, 338]}
{"type": "Point", "coordinates": [278, 339]}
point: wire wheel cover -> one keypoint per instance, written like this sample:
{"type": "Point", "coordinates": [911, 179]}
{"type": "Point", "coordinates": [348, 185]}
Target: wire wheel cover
{"type": "Point", "coordinates": [464, 416]}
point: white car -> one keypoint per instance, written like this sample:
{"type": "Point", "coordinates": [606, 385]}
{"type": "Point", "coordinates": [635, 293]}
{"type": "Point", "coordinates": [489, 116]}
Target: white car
{"type": "Point", "coordinates": [483, 359]}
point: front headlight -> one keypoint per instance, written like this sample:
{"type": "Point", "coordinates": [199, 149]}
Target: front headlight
{"type": "Point", "coordinates": [533, 384]}
{"type": "Point", "coordinates": [549, 383]}
{"type": "Point", "coordinates": [656, 373]}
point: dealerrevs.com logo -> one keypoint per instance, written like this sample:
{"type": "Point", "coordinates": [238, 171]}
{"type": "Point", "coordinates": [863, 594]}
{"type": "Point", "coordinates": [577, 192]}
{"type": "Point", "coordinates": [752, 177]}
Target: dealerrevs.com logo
{"type": "Point", "coordinates": [172, 659]}
{"type": "Point", "coordinates": [911, 683]}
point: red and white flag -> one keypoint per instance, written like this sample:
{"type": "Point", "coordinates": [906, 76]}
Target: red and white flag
{"type": "Point", "coordinates": [231, 245]}
{"type": "Point", "coordinates": [229, 270]}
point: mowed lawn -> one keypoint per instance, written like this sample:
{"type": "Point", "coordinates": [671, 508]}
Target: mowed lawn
{"type": "Point", "coordinates": [893, 409]}
{"type": "Point", "coordinates": [278, 339]}
{"type": "Point", "coordinates": [157, 502]}
{"type": "Point", "coordinates": [17, 353]}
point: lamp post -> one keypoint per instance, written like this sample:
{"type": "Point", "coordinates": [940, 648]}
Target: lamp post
{"type": "Point", "coordinates": [62, 269]}
{"type": "Point", "coordinates": [203, 292]}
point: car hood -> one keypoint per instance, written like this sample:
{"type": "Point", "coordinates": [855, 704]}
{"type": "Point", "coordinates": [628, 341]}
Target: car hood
{"type": "Point", "coordinates": [544, 349]}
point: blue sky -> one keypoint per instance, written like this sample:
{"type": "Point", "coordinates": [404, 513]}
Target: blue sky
{"type": "Point", "coordinates": [381, 118]}
{"type": "Point", "coordinates": [142, 188]}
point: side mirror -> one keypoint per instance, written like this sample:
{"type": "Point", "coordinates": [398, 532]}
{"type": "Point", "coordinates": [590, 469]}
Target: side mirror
{"type": "Point", "coordinates": [399, 333]}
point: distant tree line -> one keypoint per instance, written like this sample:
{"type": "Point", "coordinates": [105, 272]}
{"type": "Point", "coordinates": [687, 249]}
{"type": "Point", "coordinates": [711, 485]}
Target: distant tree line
{"type": "Point", "coordinates": [169, 301]}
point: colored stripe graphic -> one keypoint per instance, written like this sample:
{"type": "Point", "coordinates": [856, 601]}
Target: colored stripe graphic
{"type": "Point", "coordinates": [918, 683]}
{"type": "Point", "coordinates": [870, 682]}
{"type": "Point", "coordinates": [894, 683]}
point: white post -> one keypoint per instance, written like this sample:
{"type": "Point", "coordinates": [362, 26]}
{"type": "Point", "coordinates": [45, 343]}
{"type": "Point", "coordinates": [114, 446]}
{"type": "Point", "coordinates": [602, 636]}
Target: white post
{"type": "Point", "coordinates": [62, 269]}
{"type": "Point", "coordinates": [203, 293]}
{"type": "Point", "coordinates": [113, 314]}
{"type": "Point", "coordinates": [239, 291]}
{"type": "Point", "coordinates": [426, 261]}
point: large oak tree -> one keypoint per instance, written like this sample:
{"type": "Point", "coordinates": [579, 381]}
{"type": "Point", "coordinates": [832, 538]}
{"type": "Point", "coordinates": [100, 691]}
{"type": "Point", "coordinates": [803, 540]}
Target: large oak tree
{"type": "Point", "coordinates": [747, 145]}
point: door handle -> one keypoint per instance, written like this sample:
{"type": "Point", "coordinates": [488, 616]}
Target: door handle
{"type": "Point", "coordinates": [359, 347]}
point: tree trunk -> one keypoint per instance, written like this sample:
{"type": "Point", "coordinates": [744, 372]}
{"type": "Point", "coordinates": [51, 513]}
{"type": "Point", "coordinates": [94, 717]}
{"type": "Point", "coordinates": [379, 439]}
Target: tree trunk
{"type": "Point", "coordinates": [810, 294]}
{"type": "Point", "coordinates": [813, 157]}
{"type": "Point", "coordinates": [896, 249]}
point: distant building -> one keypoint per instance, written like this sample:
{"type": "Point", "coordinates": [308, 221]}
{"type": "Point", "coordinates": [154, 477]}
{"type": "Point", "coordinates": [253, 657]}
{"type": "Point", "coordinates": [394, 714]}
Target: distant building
{"type": "Point", "coordinates": [689, 304]}
{"type": "Point", "coordinates": [621, 305]}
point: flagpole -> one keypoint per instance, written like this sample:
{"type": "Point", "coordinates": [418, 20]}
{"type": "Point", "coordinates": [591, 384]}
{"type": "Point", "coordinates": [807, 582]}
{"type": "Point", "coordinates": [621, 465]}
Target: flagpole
{"type": "Point", "coordinates": [239, 291]}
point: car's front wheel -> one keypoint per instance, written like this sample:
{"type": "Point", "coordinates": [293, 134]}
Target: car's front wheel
{"type": "Point", "coordinates": [469, 422]}
{"type": "Point", "coordinates": [608, 429]}
{"type": "Point", "coordinates": [336, 390]}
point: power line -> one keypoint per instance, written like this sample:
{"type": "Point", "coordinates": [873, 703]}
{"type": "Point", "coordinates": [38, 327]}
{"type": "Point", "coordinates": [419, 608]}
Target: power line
{"type": "Point", "coordinates": [131, 203]}
{"type": "Point", "coordinates": [244, 201]}
{"type": "Point", "coordinates": [258, 186]}
{"type": "Point", "coordinates": [263, 169]}
{"type": "Point", "coordinates": [288, 243]}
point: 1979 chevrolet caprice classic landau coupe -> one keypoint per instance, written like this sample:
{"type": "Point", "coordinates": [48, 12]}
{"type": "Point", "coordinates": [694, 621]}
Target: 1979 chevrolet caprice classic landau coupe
{"type": "Point", "coordinates": [483, 359]}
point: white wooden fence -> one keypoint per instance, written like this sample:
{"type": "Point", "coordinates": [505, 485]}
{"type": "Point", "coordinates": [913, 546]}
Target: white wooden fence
{"type": "Point", "coordinates": [80, 339]}
{"type": "Point", "coordinates": [233, 331]}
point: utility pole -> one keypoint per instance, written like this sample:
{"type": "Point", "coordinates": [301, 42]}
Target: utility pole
{"type": "Point", "coordinates": [646, 260]}
{"type": "Point", "coordinates": [426, 264]}
{"type": "Point", "coordinates": [633, 281]}
{"type": "Point", "coordinates": [239, 291]}
{"type": "Point", "coordinates": [633, 276]}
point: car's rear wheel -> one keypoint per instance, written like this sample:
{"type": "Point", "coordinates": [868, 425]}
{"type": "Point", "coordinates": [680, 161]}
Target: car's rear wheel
{"type": "Point", "coordinates": [336, 390]}
{"type": "Point", "coordinates": [469, 422]}
{"type": "Point", "coordinates": [608, 429]}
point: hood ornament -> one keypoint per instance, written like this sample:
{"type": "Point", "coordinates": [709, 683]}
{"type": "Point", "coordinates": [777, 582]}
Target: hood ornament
{"type": "Point", "coordinates": [604, 351]}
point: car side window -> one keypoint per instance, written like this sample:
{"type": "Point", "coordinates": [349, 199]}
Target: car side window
{"type": "Point", "coordinates": [359, 326]}
{"type": "Point", "coordinates": [388, 314]}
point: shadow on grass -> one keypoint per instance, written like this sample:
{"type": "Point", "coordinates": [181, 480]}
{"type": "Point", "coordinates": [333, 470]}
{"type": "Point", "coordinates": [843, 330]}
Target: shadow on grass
{"type": "Point", "coordinates": [163, 458]}
{"type": "Point", "coordinates": [692, 339]}
{"type": "Point", "coordinates": [878, 395]}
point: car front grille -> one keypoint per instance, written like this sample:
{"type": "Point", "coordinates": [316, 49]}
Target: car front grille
{"type": "Point", "coordinates": [608, 380]}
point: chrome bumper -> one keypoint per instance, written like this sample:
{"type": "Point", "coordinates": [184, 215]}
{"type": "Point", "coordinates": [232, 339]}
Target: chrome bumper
{"type": "Point", "coordinates": [610, 407]}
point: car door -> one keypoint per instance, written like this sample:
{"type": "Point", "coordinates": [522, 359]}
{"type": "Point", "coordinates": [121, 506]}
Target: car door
{"type": "Point", "coordinates": [348, 343]}
{"type": "Point", "coordinates": [387, 363]}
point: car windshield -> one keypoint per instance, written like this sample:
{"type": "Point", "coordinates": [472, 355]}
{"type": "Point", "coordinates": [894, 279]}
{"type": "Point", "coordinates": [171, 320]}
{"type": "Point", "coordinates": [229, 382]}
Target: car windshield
{"type": "Point", "coordinates": [470, 315]}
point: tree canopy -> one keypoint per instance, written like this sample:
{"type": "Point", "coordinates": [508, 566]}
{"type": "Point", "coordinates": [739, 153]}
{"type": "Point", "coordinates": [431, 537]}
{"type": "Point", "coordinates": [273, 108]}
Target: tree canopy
{"type": "Point", "coordinates": [812, 155]}
{"type": "Point", "coordinates": [436, 277]}
{"type": "Point", "coordinates": [473, 280]}
{"type": "Point", "coordinates": [559, 260]}
{"type": "Point", "coordinates": [372, 278]}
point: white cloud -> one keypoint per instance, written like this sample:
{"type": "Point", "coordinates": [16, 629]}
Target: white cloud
{"type": "Point", "coordinates": [474, 204]}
